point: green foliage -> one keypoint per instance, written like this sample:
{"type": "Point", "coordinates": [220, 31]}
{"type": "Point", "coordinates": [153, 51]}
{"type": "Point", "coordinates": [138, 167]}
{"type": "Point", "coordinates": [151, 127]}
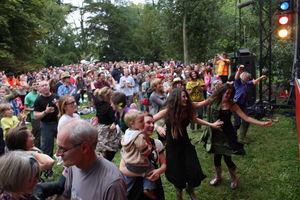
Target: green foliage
{"type": "Point", "coordinates": [34, 34]}
{"type": "Point", "coordinates": [109, 30]}
{"type": "Point", "coordinates": [21, 27]}
{"type": "Point", "coordinates": [58, 45]}
{"type": "Point", "coordinates": [147, 35]}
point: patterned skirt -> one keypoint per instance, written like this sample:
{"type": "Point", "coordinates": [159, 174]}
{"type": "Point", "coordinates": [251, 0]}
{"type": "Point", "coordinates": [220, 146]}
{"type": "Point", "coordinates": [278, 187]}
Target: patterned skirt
{"type": "Point", "coordinates": [108, 140]}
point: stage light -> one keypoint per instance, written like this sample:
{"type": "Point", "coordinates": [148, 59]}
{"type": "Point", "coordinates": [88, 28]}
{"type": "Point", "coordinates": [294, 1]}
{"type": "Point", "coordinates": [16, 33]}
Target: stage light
{"type": "Point", "coordinates": [285, 5]}
{"type": "Point", "coordinates": [283, 20]}
{"type": "Point", "coordinates": [283, 33]}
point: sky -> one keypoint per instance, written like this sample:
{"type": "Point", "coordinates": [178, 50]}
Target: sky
{"type": "Point", "coordinates": [74, 17]}
{"type": "Point", "coordinates": [78, 2]}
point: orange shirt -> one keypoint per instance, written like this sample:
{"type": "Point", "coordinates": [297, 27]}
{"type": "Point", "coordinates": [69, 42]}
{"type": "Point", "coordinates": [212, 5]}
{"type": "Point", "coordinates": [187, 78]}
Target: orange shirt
{"type": "Point", "coordinates": [13, 82]}
{"type": "Point", "coordinates": [223, 67]}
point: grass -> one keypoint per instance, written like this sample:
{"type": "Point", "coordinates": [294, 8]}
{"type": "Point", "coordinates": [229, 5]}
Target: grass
{"type": "Point", "coordinates": [270, 170]}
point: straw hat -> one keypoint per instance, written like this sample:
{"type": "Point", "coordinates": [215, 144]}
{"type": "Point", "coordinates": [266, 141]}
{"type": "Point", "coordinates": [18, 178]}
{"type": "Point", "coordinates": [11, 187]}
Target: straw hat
{"type": "Point", "coordinates": [65, 75]}
{"type": "Point", "coordinates": [177, 80]}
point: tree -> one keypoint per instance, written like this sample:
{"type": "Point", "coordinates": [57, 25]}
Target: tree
{"type": "Point", "coordinates": [22, 26]}
{"type": "Point", "coordinates": [109, 30]}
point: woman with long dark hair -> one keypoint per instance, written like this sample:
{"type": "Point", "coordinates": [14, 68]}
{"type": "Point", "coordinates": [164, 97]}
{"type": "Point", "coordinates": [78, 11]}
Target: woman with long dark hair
{"type": "Point", "coordinates": [183, 167]}
{"type": "Point", "coordinates": [222, 142]}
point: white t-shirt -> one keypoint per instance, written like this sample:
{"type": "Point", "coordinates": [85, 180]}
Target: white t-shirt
{"type": "Point", "coordinates": [128, 91]}
{"type": "Point", "coordinates": [64, 119]}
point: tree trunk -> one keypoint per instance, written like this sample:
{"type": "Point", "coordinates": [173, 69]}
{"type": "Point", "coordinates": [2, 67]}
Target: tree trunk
{"type": "Point", "coordinates": [185, 41]}
{"type": "Point", "coordinates": [83, 40]}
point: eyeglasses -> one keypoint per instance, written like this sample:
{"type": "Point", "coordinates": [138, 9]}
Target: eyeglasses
{"type": "Point", "coordinates": [72, 102]}
{"type": "Point", "coordinates": [62, 150]}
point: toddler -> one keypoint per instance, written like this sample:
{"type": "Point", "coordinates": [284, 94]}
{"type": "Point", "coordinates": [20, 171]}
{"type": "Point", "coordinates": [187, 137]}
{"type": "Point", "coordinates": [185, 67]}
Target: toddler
{"type": "Point", "coordinates": [8, 120]}
{"type": "Point", "coordinates": [135, 151]}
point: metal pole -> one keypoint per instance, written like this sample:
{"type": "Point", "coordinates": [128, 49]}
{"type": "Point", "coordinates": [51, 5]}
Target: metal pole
{"type": "Point", "coordinates": [297, 40]}
{"type": "Point", "coordinates": [261, 4]}
{"type": "Point", "coordinates": [270, 50]}
{"type": "Point", "coordinates": [240, 26]}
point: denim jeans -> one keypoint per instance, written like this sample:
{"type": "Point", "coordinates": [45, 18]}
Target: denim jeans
{"type": "Point", "coordinates": [147, 184]}
{"type": "Point", "coordinates": [36, 131]}
{"type": "Point", "coordinates": [48, 133]}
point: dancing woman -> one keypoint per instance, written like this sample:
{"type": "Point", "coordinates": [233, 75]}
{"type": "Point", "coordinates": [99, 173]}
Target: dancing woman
{"type": "Point", "coordinates": [223, 141]}
{"type": "Point", "coordinates": [183, 167]}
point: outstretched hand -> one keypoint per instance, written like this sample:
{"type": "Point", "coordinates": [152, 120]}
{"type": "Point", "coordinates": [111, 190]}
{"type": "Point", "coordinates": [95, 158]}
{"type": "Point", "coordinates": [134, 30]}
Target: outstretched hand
{"type": "Point", "coordinates": [263, 76]}
{"type": "Point", "coordinates": [161, 131]}
{"type": "Point", "coordinates": [217, 124]}
{"type": "Point", "coordinates": [267, 124]}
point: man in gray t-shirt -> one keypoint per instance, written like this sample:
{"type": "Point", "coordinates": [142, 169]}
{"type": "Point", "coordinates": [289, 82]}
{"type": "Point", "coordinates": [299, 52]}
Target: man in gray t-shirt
{"type": "Point", "coordinates": [89, 176]}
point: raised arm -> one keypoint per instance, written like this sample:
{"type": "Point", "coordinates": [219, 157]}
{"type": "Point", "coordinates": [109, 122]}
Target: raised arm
{"type": "Point", "coordinates": [239, 112]}
{"type": "Point", "coordinates": [203, 103]}
{"type": "Point", "coordinates": [159, 115]}
{"type": "Point", "coordinates": [216, 124]}
{"type": "Point", "coordinates": [239, 71]}
{"type": "Point", "coordinates": [259, 79]}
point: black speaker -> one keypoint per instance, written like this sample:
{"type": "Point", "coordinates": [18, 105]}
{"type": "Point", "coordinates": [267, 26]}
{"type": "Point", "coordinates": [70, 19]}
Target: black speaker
{"type": "Point", "coordinates": [243, 52]}
{"type": "Point", "coordinates": [249, 63]}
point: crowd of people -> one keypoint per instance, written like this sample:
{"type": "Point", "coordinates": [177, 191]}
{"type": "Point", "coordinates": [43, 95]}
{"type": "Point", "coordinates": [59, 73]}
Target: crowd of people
{"type": "Point", "coordinates": [129, 101]}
